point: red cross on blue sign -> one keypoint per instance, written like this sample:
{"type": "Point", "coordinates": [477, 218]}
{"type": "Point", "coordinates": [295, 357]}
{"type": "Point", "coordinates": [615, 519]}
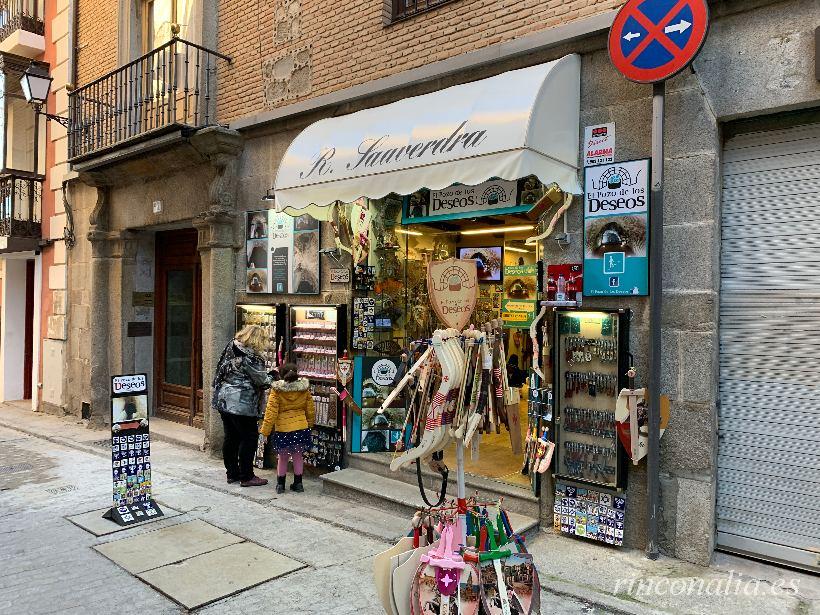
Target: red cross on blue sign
{"type": "Point", "coordinates": [653, 40]}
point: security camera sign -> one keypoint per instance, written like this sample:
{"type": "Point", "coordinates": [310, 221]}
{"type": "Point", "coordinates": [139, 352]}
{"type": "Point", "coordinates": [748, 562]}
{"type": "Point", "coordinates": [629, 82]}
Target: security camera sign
{"type": "Point", "coordinates": [616, 229]}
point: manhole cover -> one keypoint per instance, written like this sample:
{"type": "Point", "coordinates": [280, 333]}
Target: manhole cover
{"type": "Point", "coordinates": [63, 489]}
{"type": "Point", "coordinates": [17, 467]}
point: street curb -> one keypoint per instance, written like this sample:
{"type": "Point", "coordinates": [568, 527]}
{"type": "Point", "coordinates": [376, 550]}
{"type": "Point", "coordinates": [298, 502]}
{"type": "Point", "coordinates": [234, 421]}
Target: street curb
{"type": "Point", "coordinates": [593, 597]}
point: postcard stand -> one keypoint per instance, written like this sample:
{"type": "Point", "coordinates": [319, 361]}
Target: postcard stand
{"type": "Point", "coordinates": [131, 452]}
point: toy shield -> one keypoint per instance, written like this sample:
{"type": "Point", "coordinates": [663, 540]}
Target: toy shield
{"type": "Point", "coordinates": [453, 287]}
{"type": "Point", "coordinates": [344, 369]}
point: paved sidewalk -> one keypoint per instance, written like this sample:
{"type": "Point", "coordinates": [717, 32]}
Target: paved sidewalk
{"type": "Point", "coordinates": [335, 539]}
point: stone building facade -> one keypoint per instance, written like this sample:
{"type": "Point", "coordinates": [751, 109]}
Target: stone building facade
{"type": "Point", "coordinates": [301, 64]}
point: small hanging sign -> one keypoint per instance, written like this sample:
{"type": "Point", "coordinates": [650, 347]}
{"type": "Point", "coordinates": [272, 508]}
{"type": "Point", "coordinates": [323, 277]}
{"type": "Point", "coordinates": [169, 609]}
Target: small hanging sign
{"type": "Point", "coordinates": [453, 287]}
{"type": "Point", "coordinates": [340, 275]}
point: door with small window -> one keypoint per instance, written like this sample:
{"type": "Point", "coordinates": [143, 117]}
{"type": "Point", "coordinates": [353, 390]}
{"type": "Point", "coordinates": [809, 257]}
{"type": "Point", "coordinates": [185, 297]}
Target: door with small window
{"type": "Point", "coordinates": [178, 339]}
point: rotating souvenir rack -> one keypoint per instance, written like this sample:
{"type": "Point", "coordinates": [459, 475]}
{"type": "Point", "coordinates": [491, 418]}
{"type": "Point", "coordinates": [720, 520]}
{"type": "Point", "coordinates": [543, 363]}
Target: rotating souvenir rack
{"type": "Point", "coordinates": [458, 389]}
{"type": "Point", "coordinates": [317, 338]}
{"type": "Point", "coordinates": [432, 570]}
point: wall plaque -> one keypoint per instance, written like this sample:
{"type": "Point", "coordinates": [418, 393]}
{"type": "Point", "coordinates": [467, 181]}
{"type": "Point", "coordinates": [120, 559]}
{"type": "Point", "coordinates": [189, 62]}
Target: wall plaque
{"type": "Point", "coordinates": [139, 329]}
{"type": "Point", "coordinates": [142, 299]}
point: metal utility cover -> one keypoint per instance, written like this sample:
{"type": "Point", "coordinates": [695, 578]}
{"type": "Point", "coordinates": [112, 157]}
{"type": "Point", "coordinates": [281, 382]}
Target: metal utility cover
{"type": "Point", "coordinates": [224, 572]}
{"type": "Point", "coordinates": [166, 546]}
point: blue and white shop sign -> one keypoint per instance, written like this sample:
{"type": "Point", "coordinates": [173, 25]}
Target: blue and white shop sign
{"type": "Point", "coordinates": [616, 229]}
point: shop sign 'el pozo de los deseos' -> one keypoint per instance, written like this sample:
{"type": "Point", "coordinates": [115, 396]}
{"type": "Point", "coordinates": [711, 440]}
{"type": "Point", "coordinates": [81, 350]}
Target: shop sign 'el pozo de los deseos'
{"type": "Point", "coordinates": [492, 197]}
{"type": "Point", "coordinates": [616, 229]}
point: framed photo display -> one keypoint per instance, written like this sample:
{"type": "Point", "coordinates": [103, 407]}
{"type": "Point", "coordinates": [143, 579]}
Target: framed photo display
{"type": "Point", "coordinates": [282, 253]}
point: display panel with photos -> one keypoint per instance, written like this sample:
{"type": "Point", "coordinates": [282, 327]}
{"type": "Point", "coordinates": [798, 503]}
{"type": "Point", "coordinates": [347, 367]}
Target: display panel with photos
{"type": "Point", "coordinates": [380, 431]}
{"type": "Point", "coordinates": [282, 253]}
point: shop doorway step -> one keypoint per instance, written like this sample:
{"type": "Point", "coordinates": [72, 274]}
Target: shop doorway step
{"type": "Point", "coordinates": [516, 499]}
{"type": "Point", "coordinates": [176, 433]}
{"type": "Point", "coordinates": [394, 496]}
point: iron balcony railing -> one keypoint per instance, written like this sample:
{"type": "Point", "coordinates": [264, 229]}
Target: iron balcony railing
{"type": "Point", "coordinates": [402, 9]}
{"type": "Point", "coordinates": [21, 15]}
{"type": "Point", "coordinates": [172, 86]}
{"type": "Point", "coordinates": [21, 197]}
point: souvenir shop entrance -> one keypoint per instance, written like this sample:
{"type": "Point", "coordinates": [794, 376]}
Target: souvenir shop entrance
{"type": "Point", "coordinates": [391, 310]}
{"type": "Point", "coordinates": [464, 173]}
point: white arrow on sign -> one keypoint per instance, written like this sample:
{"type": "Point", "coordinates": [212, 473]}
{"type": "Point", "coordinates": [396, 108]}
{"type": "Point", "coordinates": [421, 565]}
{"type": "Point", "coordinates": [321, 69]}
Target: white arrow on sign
{"type": "Point", "coordinates": [682, 26]}
{"type": "Point", "coordinates": [630, 35]}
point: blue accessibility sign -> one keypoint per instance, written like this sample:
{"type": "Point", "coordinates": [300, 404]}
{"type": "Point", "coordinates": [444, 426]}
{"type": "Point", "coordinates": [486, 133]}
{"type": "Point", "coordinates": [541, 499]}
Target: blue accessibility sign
{"type": "Point", "coordinates": [652, 40]}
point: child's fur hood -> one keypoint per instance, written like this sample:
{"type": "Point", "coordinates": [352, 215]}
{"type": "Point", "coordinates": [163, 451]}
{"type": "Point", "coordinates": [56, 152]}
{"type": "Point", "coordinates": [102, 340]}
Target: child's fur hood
{"type": "Point", "coordinates": [300, 384]}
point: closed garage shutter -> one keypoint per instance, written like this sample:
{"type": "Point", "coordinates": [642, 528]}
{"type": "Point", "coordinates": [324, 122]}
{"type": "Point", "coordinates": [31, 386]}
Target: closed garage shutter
{"type": "Point", "coordinates": [768, 501]}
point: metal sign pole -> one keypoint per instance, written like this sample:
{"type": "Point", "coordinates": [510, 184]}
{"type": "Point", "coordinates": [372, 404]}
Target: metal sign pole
{"type": "Point", "coordinates": [461, 491]}
{"type": "Point", "coordinates": [656, 315]}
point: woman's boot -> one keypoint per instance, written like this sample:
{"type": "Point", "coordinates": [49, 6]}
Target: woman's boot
{"type": "Point", "coordinates": [297, 484]}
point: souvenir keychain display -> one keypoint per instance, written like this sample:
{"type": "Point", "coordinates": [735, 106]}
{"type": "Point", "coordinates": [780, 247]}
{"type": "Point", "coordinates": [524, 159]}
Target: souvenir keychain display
{"type": "Point", "coordinates": [588, 374]}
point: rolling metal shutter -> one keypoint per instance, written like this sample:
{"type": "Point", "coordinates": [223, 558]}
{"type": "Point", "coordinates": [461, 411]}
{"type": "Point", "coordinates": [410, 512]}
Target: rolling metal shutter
{"type": "Point", "coordinates": [768, 487]}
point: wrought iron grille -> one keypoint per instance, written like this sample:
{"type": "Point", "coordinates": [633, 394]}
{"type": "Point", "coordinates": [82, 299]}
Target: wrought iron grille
{"type": "Point", "coordinates": [20, 15]}
{"type": "Point", "coordinates": [20, 204]}
{"type": "Point", "coordinates": [402, 9]}
{"type": "Point", "coordinates": [173, 85]}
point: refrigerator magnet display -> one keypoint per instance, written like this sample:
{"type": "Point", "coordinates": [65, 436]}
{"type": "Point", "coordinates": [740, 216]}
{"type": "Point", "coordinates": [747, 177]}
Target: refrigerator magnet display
{"type": "Point", "coordinates": [131, 452]}
{"type": "Point", "coordinates": [589, 513]}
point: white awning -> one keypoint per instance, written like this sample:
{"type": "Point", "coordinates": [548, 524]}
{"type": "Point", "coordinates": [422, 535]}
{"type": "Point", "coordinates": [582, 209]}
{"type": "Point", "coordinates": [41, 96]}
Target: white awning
{"type": "Point", "coordinates": [519, 123]}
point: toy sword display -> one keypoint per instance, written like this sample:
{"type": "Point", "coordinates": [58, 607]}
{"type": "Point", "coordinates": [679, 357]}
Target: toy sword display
{"type": "Point", "coordinates": [344, 371]}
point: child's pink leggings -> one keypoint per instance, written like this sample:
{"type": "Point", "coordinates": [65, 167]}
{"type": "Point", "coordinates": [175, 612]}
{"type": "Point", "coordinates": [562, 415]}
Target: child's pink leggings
{"type": "Point", "coordinates": [282, 463]}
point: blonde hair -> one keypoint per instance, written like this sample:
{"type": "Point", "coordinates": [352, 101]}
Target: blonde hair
{"type": "Point", "coordinates": [252, 336]}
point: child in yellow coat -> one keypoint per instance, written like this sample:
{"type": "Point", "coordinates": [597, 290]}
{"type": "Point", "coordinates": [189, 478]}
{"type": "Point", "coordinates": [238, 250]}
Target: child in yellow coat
{"type": "Point", "coordinates": [291, 413]}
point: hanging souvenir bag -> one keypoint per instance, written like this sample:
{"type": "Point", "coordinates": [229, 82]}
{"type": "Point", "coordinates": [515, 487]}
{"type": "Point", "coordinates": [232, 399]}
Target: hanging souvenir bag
{"type": "Point", "coordinates": [509, 580]}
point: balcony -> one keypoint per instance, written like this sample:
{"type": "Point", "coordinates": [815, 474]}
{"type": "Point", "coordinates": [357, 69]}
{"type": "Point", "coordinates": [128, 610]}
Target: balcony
{"type": "Point", "coordinates": [21, 196]}
{"type": "Point", "coordinates": [21, 28]}
{"type": "Point", "coordinates": [170, 89]}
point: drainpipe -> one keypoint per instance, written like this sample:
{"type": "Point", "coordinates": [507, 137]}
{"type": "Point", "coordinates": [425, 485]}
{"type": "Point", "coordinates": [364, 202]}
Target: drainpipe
{"type": "Point", "coordinates": [68, 232]}
{"type": "Point", "coordinates": [72, 44]}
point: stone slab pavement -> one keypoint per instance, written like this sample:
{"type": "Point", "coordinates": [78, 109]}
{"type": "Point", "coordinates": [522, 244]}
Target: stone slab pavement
{"type": "Point", "coordinates": [49, 564]}
{"type": "Point", "coordinates": [210, 576]}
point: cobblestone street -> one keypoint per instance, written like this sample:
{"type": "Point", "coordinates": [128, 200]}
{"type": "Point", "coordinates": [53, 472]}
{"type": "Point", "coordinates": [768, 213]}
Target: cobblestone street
{"type": "Point", "coordinates": [49, 565]}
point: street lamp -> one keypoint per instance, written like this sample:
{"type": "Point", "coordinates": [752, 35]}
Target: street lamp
{"type": "Point", "coordinates": [36, 84]}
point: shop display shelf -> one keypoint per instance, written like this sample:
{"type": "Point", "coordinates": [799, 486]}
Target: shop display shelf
{"type": "Point", "coordinates": [304, 338]}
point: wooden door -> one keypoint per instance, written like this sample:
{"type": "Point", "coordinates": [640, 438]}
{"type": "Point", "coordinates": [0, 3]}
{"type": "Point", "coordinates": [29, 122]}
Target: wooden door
{"type": "Point", "coordinates": [28, 343]}
{"type": "Point", "coordinates": [178, 337]}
